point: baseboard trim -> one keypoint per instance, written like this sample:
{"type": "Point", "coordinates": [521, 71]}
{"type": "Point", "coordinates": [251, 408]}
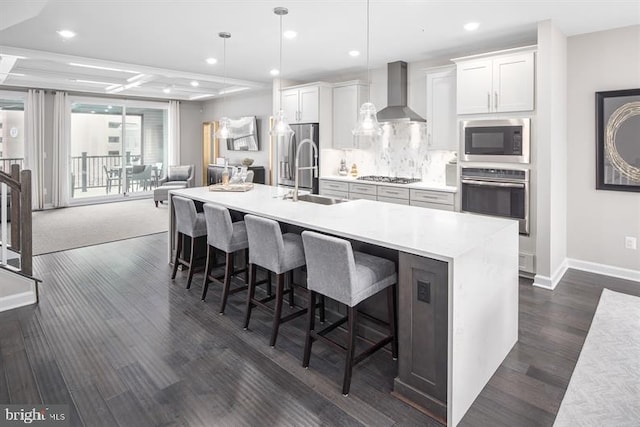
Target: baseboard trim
{"type": "Point", "coordinates": [18, 300]}
{"type": "Point", "coordinates": [550, 283]}
{"type": "Point", "coordinates": [607, 270]}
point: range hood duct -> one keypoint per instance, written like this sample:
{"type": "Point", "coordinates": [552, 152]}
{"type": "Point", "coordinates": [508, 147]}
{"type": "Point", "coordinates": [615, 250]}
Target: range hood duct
{"type": "Point", "coordinates": [396, 109]}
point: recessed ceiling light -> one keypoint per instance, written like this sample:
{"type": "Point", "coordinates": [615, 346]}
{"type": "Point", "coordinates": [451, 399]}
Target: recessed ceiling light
{"type": "Point", "coordinates": [212, 61]}
{"type": "Point", "coordinates": [195, 83]}
{"type": "Point", "coordinates": [93, 112]}
{"type": "Point", "coordinates": [66, 34]}
{"type": "Point", "coordinates": [109, 107]}
{"type": "Point", "coordinates": [354, 53]}
{"type": "Point", "coordinates": [290, 34]}
{"type": "Point", "coordinates": [471, 26]}
{"type": "Point", "coordinates": [274, 72]}
{"type": "Point", "coordinates": [167, 90]}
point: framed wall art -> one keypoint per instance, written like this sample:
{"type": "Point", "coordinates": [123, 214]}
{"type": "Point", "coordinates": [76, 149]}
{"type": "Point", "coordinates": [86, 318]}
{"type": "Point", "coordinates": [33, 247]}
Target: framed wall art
{"type": "Point", "coordinates": [618, 140]}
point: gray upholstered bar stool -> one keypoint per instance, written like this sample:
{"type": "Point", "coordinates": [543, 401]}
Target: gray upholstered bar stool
{"type": "Point", "coordinates": [190, 223]}
{"type": "Point", "coordinates": [335, 270]}
{"type": "Point", "coordinates": [276, 252]}
{"type": "Point", "coordinates": [229, 237]}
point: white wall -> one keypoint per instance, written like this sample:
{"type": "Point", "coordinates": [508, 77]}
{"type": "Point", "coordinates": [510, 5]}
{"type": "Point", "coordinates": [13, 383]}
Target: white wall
{"type": "Point", "coordinates": [599, 220]}
{"type": "Point", "coordinates": [551, 155]}
{"type": "Point", "coordinates": [257, 104]}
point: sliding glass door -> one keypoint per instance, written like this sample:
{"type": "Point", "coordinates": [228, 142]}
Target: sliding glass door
{"type": "Point", "coordinates": [118, 148]}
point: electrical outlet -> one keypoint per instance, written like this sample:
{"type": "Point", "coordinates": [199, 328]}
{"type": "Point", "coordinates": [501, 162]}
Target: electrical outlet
{"type": "Point", "coordinates": [630, 243]}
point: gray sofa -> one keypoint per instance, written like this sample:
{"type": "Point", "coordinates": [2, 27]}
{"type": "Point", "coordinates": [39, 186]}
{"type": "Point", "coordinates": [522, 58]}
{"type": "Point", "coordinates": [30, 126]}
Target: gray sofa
{"type": "Point", "coordinates": [177, 177]}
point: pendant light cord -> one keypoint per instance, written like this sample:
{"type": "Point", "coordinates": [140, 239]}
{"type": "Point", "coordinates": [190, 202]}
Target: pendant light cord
{"type": "Point", "coordinates": [368, 69]}
{"type": "Point", "coordinates": [224, 54]}
{"type": "Point", "coordinates": [280, 66]}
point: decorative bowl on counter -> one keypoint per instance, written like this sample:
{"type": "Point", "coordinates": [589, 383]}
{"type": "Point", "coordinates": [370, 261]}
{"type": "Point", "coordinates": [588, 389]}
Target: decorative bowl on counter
{"type": "Point", "coordinates": [247, 161]}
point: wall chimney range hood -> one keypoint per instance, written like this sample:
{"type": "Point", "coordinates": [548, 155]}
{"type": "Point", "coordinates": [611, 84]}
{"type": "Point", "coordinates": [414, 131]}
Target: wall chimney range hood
{"type": "Point", "coordinates": [396, 109]}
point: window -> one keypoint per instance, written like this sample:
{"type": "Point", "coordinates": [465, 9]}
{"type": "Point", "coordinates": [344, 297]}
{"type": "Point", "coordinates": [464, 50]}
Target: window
{"type": "Point", "coordinates": [11, 130]}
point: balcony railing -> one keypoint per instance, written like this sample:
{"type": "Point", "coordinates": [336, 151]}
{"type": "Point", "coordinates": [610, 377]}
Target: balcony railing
{"type": "Point", "coordinates": [5, 164]}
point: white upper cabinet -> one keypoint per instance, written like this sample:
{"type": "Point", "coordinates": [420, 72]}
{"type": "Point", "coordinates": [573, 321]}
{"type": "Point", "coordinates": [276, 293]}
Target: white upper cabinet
{"type": "Point", "coordinates": [347, 99]}
{"type": "Point", "coordinates": [496, 83]}
{"type": "Point", "coordinates": [300, 105]}
{"type": "Point", "coordinates": [441, 109]}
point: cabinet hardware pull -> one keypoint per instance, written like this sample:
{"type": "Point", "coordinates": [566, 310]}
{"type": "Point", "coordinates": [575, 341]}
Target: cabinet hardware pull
{"type": "Point", "coordinates": [489, 101]}
{"type": "Point", "coordinates": [496, 101]}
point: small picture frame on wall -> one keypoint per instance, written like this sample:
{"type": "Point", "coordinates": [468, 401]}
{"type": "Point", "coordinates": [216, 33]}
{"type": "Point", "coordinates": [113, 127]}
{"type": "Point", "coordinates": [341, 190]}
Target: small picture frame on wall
{"type": "Point", "coordinates": [618, 140]}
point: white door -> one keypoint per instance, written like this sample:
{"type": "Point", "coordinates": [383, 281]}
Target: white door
{"type": "Point", "coordinates": [513, 78]}
{"type": "Point", "coordinates": [345, 115]}
{"type": "Point", "coordinates": [309, 105]}
{"type": "Point", "coordinates": [441, 110]}
{"type": "Point", "coordinates": [290, 105]}
{"type": "Point", "coordinates": [474, 87]}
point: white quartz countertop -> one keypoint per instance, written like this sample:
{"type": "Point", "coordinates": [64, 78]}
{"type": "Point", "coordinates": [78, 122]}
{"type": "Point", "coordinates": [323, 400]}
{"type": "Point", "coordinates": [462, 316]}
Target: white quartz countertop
{"type": "Point", "coordinates": [421, 231]}
{"type": "Point", "coordinates": [416, 185]}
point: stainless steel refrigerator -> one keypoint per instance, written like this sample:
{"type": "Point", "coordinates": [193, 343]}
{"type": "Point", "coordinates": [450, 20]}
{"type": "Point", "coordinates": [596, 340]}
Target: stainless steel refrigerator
{"type": "Point", "coordinates": [287, 157]}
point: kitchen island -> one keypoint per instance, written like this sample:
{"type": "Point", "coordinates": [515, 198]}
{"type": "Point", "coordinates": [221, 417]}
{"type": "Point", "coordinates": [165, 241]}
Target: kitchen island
{"type": "Point", "coordinates": [458, 285]}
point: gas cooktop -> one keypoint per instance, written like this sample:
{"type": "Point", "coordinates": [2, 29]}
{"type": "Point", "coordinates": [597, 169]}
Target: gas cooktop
{"type": "Point", "coordinates": [388, 179]}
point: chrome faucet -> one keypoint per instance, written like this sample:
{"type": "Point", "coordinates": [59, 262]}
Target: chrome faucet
{"type": "Point", "coordinates": [314, 167]}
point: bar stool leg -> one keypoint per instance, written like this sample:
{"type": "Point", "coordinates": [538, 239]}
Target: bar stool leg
{"type": "Point", "coordinates": [191, 258]}
{"type": "Point", "coordinates": [277, 314]}
{"type": "Point", "coordinates": [269, 290]}
{"type": "Point", "coordinates": [351, 347]}
{"type": "Point", "coordinates": [322, 312]}
{"type": "Point", "coordinates": [207, 270]}
{"type": "Point", "coordinates": [228, 271]}
{"type": "Point", "coordinates": [246, 265]}
{"type": "Point", "coordinates": [250, 294]}
{"type": "Point", "coordinates": [391, 307]}
{"type": "Point", "coordinates": [290, 274]}
{"type": "Point", "coordinates": [311, 317]}
{"type": "Point", "coordinates": [177, 257]}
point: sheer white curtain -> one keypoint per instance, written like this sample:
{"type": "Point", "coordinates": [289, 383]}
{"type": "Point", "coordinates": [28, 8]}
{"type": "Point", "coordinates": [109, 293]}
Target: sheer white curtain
{"type": "Point", "coordinates": [34, 147]}
{"type": "Point", "coordinates": [174, 133]}
{"type": "Point", "coordinates": [61, 126]}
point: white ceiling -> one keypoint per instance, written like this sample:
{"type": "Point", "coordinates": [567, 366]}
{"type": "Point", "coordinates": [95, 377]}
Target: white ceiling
{"type": "Point", "coordinates": [168, 41]}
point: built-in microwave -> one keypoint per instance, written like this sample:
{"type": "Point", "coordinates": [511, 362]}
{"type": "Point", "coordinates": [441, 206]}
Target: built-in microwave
{"type": "Point", "coordinates": [496, 140]}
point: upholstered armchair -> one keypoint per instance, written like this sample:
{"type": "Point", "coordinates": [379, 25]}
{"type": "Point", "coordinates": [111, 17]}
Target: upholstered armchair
{"type": "Point", "coordinates": [177, 177]}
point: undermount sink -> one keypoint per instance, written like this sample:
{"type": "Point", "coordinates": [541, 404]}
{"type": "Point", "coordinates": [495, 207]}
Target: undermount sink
{"type": "Point", "coordinates": [322, 200]}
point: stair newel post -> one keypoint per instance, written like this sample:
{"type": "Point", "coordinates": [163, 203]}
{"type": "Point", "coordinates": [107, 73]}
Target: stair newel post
{"type": "Point", "coordinates": [26, 252]}
{"type": "Point", "coordinates": [15, 210]}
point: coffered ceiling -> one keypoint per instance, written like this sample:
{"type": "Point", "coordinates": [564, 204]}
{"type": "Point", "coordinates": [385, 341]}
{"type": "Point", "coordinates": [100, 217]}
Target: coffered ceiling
{"type": "Point", "coordinates": [146, 47]}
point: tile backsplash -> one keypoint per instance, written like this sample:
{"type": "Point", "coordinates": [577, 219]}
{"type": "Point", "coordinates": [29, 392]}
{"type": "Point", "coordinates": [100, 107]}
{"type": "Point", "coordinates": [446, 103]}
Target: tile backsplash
{"type": "Point", "coordinates": [400, 151]}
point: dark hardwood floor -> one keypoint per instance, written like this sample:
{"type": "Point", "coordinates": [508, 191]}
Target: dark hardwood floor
{"type": "Point", "coordinates": [120, 343]}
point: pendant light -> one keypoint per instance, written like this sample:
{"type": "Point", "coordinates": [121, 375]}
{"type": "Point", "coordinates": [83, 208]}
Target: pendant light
{"type": "Point", "coordinates": [224, 124]}
{"type": "Point", "coordinates": [367, 124]}
{"type": "Point", "coordinates": [280, 125]}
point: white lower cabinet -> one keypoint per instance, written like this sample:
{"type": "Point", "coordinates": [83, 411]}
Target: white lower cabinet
{"type": "Point", "coordinates": [362, 191]}
{"type": "Point", "coordinates": [334, 188]}
{"type": "Point", "coordinates": [393, 200]}
{"type": "Point", "coordinates": [432, 199]}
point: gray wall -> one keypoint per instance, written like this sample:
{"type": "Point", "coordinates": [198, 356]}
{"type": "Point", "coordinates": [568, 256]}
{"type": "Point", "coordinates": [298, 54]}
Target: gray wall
{"type": "Point", "coordinates": [191, 136]}
{"type": "Point", "coordinates": [599, 220]}
{"type": "Point", "coordinates": [257, 104]}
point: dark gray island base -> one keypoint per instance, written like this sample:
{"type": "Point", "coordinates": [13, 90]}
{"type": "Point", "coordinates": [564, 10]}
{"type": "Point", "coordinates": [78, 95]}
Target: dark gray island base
{"type": "Point", "coordinates": [458, 286]}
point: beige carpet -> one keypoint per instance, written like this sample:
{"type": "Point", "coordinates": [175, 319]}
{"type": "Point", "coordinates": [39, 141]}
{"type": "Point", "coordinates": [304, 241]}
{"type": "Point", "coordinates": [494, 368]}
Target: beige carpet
{"type": "Point", "coordinates": [61, 229]}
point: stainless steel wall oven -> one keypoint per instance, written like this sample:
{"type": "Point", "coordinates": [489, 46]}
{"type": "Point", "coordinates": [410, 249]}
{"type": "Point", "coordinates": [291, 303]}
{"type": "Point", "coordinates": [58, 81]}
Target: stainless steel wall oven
{"type": "Point", "coordinates": [497, 192]}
